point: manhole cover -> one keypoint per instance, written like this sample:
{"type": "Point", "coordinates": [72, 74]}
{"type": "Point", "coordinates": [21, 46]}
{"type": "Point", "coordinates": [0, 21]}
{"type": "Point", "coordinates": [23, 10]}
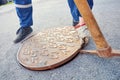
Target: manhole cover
{"type": "Point", "coordinates": [50, 48]}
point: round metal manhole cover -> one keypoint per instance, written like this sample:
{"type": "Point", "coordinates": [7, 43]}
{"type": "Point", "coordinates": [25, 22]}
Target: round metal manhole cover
{"type": "Point", "coordinates": [50, 48]}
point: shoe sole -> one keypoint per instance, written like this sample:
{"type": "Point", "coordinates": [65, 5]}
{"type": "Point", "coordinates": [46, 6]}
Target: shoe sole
{"type": "Point", "coordinates": [29, 36]}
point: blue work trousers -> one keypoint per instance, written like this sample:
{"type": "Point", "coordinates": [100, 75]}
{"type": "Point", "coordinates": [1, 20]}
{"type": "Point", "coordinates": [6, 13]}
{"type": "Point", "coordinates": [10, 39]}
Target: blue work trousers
{"type": "Point", "coordinates": [24, 12]}
{"type": "Point", "coordinates": [74, 11]}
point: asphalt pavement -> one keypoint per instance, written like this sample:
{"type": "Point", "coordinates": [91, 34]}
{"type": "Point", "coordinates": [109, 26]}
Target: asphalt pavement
{"type": "Point", "coordinates": [55, 13]}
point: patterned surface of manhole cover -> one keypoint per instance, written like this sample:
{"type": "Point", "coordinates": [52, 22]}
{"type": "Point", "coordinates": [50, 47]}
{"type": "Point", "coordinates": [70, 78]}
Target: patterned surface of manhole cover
{"type": "Point", "coordinates": [50, 48]}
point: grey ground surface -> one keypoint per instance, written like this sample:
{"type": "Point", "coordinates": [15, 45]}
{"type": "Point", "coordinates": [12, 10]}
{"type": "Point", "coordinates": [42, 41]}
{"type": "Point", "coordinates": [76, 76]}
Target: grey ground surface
{"type": "Point", "coordinates": [55, 13]}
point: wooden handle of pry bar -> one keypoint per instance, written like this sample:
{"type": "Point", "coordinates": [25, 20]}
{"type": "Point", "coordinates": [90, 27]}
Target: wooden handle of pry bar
{"type": "Point", "coordinates": [91, 23]}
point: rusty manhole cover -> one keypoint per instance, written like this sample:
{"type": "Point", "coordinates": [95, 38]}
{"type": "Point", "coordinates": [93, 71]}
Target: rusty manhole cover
{"type": "Point", "coordinates": [50, 48]}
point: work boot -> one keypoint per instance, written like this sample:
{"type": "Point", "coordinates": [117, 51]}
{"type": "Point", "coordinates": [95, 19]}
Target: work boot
{"type": "Point", "coordinates": [75, 23]}
{"type": "Point", "coordinates": [22, 33]}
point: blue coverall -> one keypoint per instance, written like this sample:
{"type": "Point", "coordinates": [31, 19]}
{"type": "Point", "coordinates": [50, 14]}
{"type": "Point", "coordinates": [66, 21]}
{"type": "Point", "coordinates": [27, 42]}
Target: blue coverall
{"type": "Point", "coordinates": [24, 12]}
{"type": "Point", "coordinates": [74, 11]}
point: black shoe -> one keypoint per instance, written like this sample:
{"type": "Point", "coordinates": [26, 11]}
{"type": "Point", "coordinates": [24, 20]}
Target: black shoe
{"type": "Point", "coordinates": [22, 33]}
{"type": "Point", "coordinates": [75, 23]}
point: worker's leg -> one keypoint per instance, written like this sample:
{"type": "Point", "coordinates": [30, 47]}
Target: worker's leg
{"type": "Point", "coordinates": [82, 31]}
{"type": "Point", "coordinates": [24, 12]}
{"type": "Point", "coordinates": [75, 13]}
